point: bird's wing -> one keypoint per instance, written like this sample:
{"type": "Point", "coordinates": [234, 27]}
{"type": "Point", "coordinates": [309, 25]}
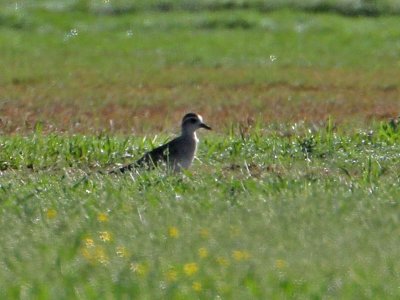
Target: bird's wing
{"type": "Point", "coordinates": [160, 154]}
{"type": "Point", "coordinates": [153, 158]}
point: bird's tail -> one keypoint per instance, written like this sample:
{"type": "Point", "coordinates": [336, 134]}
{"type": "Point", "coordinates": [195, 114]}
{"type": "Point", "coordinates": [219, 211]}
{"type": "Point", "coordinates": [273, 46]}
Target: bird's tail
{"type": "Point", "coordinates": [128, 168]}
{"type": "Point", "coordinates": [81, 180]}
{"type": "Point", "coordinates": [85, 178]}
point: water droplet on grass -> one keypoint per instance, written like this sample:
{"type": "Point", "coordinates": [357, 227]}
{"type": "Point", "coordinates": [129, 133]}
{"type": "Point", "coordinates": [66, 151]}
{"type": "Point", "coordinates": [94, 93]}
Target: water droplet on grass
{"type": "Point", "coordinates": [71, 34]}
{"type": "Point", "coordinates": [272, 58]}
{"type": "Point", "coordinates": [299, 28]}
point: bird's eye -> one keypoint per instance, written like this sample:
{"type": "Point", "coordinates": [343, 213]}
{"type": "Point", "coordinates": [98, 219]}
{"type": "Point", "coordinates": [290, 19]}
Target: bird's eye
{"type": "Point", "coordinates": [193, 121]}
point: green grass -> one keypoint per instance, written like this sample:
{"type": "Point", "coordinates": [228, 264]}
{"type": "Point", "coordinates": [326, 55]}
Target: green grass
{"type": "Point", "coordinates": [233, 38]}
{"type": "Point", "coordinates": [118, 7]}
{"type": "Point", "coordinates": [284, 213]}
{"type": "Point", "coordinates": [284, 204]}
{"type": "Point", "coordinates": [72, 67]}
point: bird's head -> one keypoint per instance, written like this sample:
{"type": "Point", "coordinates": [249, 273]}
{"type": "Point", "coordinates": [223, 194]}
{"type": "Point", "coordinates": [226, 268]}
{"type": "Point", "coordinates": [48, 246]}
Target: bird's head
{"type": "Point", "coordinates": [191, 122]}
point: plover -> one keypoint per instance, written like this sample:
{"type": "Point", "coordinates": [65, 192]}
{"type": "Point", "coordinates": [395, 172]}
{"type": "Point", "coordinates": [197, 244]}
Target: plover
{"type": "Point", "coordinates": [176, 154]}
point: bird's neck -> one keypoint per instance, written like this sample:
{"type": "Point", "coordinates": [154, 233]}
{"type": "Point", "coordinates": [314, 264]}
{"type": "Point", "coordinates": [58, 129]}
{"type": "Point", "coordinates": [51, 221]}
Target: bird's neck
{"type": "Point", "coordinates": [190, 134]}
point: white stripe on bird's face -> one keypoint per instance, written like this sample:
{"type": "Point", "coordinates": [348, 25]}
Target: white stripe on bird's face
{"type": "Point", "coordinates": [191, 122]}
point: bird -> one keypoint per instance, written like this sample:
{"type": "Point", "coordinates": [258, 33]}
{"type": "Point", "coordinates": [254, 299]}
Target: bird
{"type": "Point", "coordinates": [177, 154]}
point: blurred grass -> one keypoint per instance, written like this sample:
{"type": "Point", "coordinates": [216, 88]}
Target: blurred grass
{"type": "Point", "coordinates": [87, 72]}
{"type": "Point", "coordinates": [346, 7]}
{"type": "Point", "coordinates": [299, 214]}
{"type": "Point", "coordinates": [301, 208]}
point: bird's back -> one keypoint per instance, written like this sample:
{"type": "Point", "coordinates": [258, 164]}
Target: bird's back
{"type": "Point", "coordinates": [176, 154]}
{"type": "Point", "coordinates": [155, 157]}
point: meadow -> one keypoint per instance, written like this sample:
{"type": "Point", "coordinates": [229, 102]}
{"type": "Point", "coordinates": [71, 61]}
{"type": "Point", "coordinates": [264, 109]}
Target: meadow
{"type": "Point", "coordinates": [293, 195]}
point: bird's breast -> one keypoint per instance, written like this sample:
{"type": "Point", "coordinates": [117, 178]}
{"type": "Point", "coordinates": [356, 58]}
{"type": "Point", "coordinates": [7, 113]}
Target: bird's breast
{"type": "Point", "coordinates": [187, 153]}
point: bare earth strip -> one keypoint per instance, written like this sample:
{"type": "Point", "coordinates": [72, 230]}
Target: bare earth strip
{"type": "Point", "coordinates": [232, 95]}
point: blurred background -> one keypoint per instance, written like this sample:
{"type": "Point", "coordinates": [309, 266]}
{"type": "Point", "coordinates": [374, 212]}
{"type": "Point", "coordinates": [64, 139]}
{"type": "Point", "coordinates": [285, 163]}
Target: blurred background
{"type": "Point", "coordinates": [138, 66]}
{"type": "Point", "coordinates": [294, 195]}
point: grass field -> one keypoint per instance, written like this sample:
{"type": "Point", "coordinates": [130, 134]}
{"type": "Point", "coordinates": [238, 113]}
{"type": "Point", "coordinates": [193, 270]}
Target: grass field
{"type": "Point", "coordinates": [294, 195]}
{"type": "Point", "coordinates": [138, 73]}
{"type": "Point", "coordinates": [305, 215]}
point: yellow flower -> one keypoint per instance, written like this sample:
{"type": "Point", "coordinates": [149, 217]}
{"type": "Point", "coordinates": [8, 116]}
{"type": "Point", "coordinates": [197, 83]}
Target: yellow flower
{"type": "Point", "coordinates": [173, 232]}
{"type": "Point", "coordinates": [121, 251]}
{"type": "Point", "coordinates": [222, 261]}
{"type": "Point", "coordinates": [204, 233]}
{"type": "Point", "coordinates": [88, 250]}
{"type": "Point", "coordinates": [102, 217]}
{"type": "Point", "coordinates": [95, 254]}
{"type": "Point", "coordinates": [105, 236]}
{"type": "Point", "coordinates": [51, 213]}
{"type": "Point", "coordinates": [190, 269]}
{"type": "Point", "coordinates": [240, 255]}
{"type": "Point", "coordinates": [89, 242]}
{"type": "Point", "coordinates": [139, 269]}
{"type": "Point", "coordinates": [101, 256]}
{"type": "Point", "coordinates": [196, 286]}
{"type": "Point", "coordinates": [87, 254]}
{"type": "Point", "coordinates": [171, 275]}
{"type": "Point", "coordinates": [203, 252]}
{"type": "Point", "coordinates": [280, 264]}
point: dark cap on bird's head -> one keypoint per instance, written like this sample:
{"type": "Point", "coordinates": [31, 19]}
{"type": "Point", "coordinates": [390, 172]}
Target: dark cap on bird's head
{"type": "Point", "coordinates": [195, 119]}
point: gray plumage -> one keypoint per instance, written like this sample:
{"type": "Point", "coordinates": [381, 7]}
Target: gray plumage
{"type": "Point", "coordinates": [176, 154]}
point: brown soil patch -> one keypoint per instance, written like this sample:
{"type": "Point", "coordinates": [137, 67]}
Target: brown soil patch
{"type": "Point", "coordinates": [138, 109]}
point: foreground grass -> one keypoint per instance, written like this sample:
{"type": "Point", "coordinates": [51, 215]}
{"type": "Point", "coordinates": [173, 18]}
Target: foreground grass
{"type": "Point", "coordinates": [264, 213]}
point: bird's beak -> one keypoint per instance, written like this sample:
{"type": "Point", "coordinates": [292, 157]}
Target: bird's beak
{"type": "Point", "coordinates": [202, 125]}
